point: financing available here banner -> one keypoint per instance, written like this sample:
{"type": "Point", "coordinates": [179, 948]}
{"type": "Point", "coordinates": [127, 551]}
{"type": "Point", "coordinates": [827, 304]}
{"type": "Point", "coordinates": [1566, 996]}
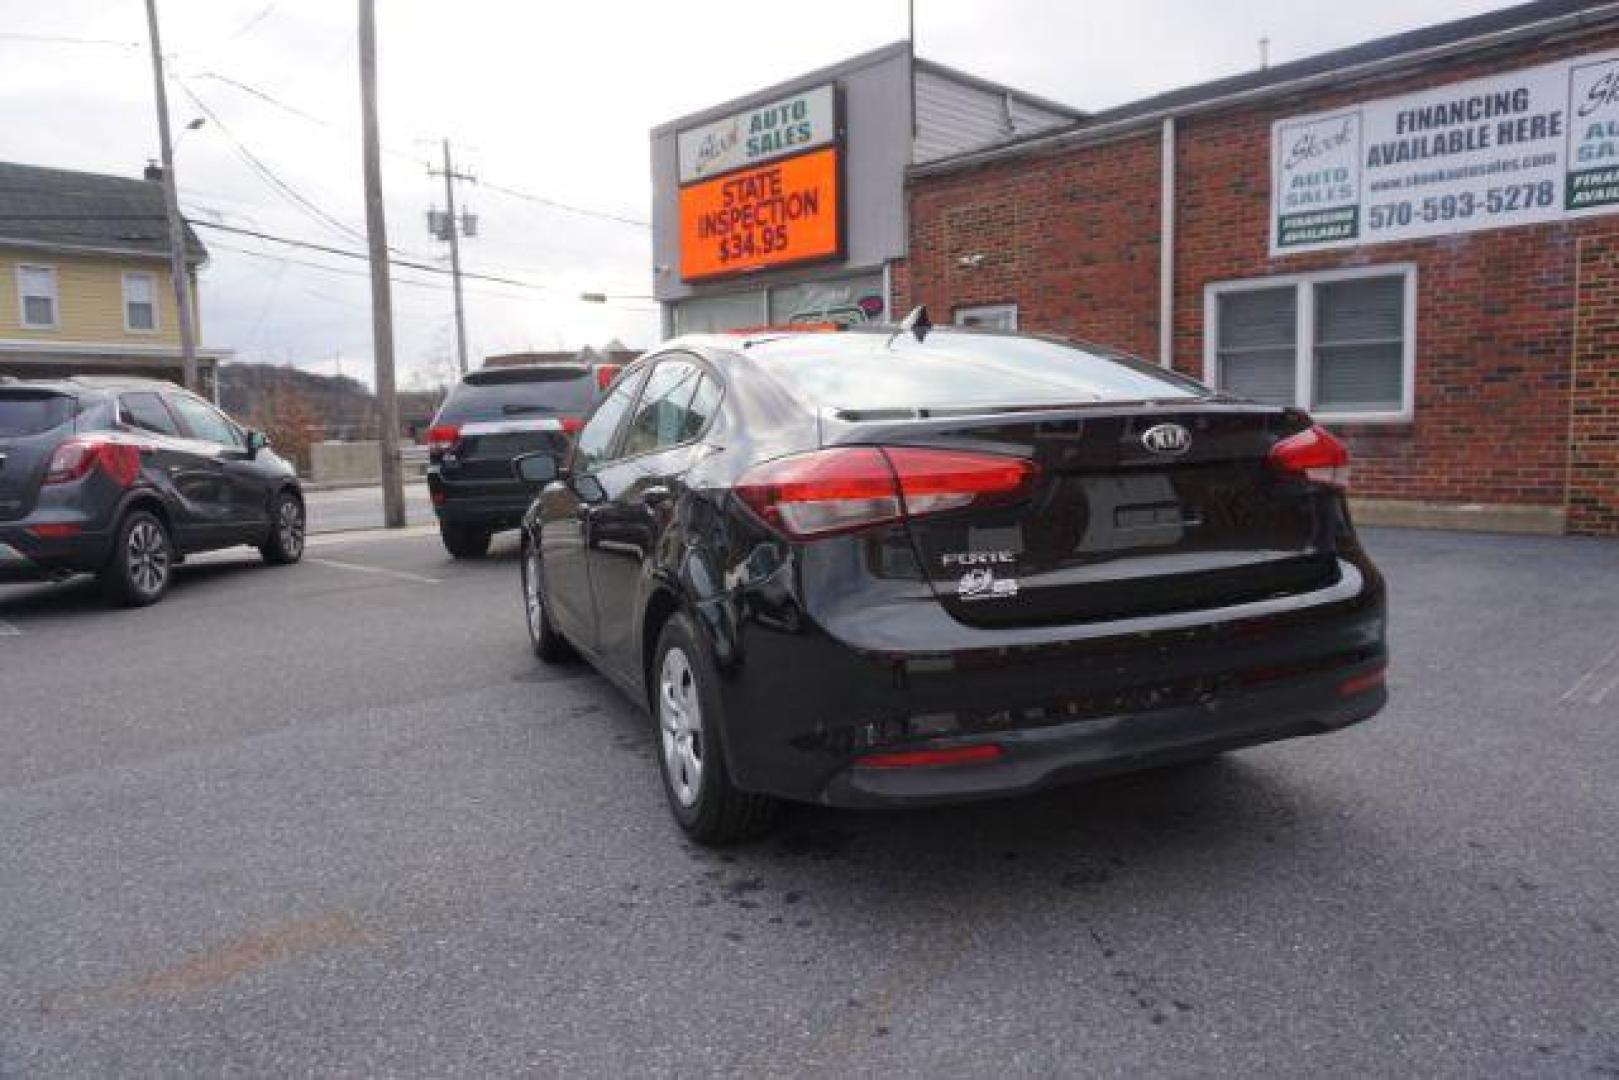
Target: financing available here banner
{"type": "Point", "coordinates": [1536, 145]}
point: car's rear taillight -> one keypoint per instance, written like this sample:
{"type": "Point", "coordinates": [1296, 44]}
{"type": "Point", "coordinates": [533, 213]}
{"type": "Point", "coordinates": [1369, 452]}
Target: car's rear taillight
{"type": "Point", "coordinates": [572, 424]}
{"type": "Point", "coordinates": [1315, 455]}
{"type": "Point", "coordinates": [78, 457]}
{"type": "Point", "coordinates": [441, 437]}
{"type": "Point", "coordinates": [606, 373]}
{"type": "Point", "coordinates": [856, 487]}
{"type": "Point", "coordinates": [928, 759]}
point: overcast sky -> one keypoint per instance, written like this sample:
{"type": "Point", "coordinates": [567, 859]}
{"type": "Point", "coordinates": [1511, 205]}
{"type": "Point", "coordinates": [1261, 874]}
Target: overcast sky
{"type": "Point", "coordinates": [551, 99]}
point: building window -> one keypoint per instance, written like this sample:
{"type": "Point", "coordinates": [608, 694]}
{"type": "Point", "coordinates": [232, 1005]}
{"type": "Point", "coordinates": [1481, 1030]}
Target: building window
{"type": "Point", "coordinates": [36, 297]}
{"type": "Point", "coordinates": [1340, 343]}
{"type": "Point", "coordinates": [140, 302]}
{"type": "Point", "coordinates": [988, 316]}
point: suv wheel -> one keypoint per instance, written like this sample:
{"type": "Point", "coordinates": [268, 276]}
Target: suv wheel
{"type": "Point", "coordinates": [686, 710]}
{"type": "Point", "coordinates": [548, 643]}
{"type": "Point", "coordinates": [141, 564]}
{"type": "Point", "coordinates": [464, 541]}
{"type": "Point", "coordinates": [286, 542]}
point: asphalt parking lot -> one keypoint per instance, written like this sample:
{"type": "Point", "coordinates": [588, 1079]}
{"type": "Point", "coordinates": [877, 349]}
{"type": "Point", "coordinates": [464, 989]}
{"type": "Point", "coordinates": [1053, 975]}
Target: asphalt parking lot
{"type": "Point", "coordinates": [335, 818]}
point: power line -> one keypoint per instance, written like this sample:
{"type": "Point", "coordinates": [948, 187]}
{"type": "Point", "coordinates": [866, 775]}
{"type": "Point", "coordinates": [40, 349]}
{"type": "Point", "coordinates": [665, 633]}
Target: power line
{"type": "Point", "coordinates": [517, 193]}
{"type": "Point", "coordinates": [265, 173]}
{"type": "Point", "coordinates": [554, 204]}
{"type": "Point", "coordinates": [340, 252]}
{"type": "Point", "coordinates": [57, 39]}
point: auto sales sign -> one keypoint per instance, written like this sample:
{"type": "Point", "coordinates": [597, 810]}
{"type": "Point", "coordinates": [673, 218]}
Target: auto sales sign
{"type": "Point", "coordinates": [1541, 144]}
{"type": "Point", "coordinates": [762, 188]}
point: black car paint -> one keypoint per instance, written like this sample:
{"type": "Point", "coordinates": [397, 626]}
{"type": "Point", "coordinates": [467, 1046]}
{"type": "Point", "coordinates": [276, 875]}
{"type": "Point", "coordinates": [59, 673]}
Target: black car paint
{"type": "Point", "coordinates": [846, 645]}
{"type": "Point", "coordinates": [210, 496]}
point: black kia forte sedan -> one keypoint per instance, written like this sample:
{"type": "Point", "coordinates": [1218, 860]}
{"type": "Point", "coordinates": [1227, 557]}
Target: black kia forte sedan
{"type": "Point", "coordinates": [123, 478]}
{"type": "Point", "coordinates": [907, 565]}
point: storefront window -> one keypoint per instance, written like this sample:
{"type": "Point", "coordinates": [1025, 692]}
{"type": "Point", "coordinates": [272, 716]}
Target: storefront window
{"type": "Point", "coordinates": [713, 313]}
{"type": "Point", "coordinates": [988, 316]}
{"type": "Point", "coordinates": [848, 301]}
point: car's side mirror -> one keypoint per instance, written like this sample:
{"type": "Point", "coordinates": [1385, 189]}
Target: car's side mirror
{"type": "Point", "coordinates": [588, 488]}
{"type": "Point", "coordinates": [256, 441]}
{"type": "Point", "coordinates": [536, 469]}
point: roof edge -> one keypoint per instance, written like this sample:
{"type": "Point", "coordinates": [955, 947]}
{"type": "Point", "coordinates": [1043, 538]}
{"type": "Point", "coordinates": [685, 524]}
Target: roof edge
{"type": "Point", "coordinates": [1127, 119]}
{"type": "Point", "coordinates": [981, 83]}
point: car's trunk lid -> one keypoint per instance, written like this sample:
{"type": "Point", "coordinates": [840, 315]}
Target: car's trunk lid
{"type": "Point", "coordinates": [1110, 527]}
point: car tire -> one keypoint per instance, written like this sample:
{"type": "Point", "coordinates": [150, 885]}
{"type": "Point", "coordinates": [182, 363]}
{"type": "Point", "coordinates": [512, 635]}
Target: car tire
{"type": "Point", "coordinates": [140, 567]}
{"type": "Point", "coordinates": [287, 526]}
{"type": "Point", "coordinates": [464, 541]}
{"type": "Point", "coordinates": [547, 641]}
{"type": "Point", "coordinates": [688, 721]}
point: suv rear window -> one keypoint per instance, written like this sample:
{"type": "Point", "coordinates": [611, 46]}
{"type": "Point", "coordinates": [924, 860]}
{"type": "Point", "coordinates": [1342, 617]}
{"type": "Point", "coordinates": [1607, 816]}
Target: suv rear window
{"type": "Point", "coordinates": [495, 395]}
{"type": "Point", "coordinates": [951, 369]}
{"type": "Point", "coordinates": [29, 412]}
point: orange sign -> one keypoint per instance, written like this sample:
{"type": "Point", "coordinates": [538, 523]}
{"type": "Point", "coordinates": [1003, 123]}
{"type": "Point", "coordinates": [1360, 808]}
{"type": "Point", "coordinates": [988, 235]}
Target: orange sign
{"type": "Point", "coordinates": [772, 215]}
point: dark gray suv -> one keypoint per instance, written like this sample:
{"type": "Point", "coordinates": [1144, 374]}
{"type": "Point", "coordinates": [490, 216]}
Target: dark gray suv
{"type": "Point", "coordinates": [123, 478]}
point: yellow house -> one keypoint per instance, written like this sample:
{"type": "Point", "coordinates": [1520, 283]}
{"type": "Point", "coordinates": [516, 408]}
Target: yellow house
{"type": "Point", "coordinates": [85, 286]}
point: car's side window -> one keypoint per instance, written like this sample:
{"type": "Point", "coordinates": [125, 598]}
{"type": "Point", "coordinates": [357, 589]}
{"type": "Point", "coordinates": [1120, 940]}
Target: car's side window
{"type": "Point", "coordinates": [663, 416]}
{"type": "Point", "coordinates": [205, 423]}
{"type": "Point", "coordinates": [147, 412]}
{"type": "Point", "coordinates": [594, 444]}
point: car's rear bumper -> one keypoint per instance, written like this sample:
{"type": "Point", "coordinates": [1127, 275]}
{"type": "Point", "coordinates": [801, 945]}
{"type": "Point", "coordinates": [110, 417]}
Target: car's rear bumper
{"type": "Point", "coordinates": [1034, 758]}
{"type": "Point", "coordinates": [483, 504]}
{"type": "Point", "coordinates": [804, 700]}
{"type": "Point", "coordinates": [25, 557]}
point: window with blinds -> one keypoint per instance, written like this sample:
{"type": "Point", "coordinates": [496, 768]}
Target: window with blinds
{"type": "Point", "coordinates": [1258, 353]}
{"type": "Point", "coordinates": [1338, 343]}
{"type": "Point", "coordinates": [1359, 345]}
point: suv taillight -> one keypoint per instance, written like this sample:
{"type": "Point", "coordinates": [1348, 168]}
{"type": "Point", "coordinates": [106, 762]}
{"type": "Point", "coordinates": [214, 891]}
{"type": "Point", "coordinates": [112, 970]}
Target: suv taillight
{"type": "Point", "coordinates": [606, 373]}
{"type": "Point", "coordinates": [78, 457]}
{"type": "Point", "coordinates": [1315, 455]}
{"type": "Point", "coordinates": [856, 487]}
{"type": "Point", "coordinates": [442, 437]}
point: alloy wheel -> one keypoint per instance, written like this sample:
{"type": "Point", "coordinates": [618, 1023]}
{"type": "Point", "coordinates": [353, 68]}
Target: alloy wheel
{"type": "Point", "coordinates": [680, 719]}
{"type": "Point", "coordinates": [532, 601]}
{"type": "Point", "coordinates": [290, 524]}
{"type": "Point", "coordinates": [147, 556]}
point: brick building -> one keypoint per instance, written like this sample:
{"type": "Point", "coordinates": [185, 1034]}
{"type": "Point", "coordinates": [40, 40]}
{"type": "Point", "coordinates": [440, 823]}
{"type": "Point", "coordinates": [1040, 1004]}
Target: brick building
{"type": "Point", "coordinates": [1416, 238]}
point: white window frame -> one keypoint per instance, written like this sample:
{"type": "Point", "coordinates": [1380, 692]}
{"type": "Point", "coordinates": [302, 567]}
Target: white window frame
{"type": "Point", "coordinates": [986, 311]}
{"type": "Point", "coordinates": [22, 298]}
{"type": "Point", "coordinates": [1304, 335]}
{"type": "Point", "coordinates": [157, 318]}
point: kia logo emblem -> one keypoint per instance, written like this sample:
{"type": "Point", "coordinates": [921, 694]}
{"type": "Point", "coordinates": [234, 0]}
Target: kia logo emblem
{"type": "Point", "coordinates": [1167, 439]}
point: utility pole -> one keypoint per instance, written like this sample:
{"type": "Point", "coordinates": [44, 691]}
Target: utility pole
{"type": "Point", "coordinates": [450, 230]}
{"type": "Point", "coordinates": [171, 209]}
{"type": "Point", "coordinates": [382, 318]}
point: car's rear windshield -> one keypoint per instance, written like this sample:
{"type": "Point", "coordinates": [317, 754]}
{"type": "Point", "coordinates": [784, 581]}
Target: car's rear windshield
{"type": "Point", "coordinates": [30, 412]}
{"type": "Point", "coordinates": [496, 396]}
{"type": "Point", "coordinates": [957, 370]}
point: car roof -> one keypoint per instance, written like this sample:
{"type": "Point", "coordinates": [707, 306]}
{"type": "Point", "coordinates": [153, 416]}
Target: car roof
{"type": "Point", "coordinates": [78, 384]}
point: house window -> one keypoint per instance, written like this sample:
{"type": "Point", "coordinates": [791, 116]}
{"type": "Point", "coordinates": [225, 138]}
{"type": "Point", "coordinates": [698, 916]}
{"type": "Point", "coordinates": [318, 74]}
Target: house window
{"type": "Point", "coordinates": [140, 302]}
{"type": "Point", "coordinates": [36, 297]}
{"type": "Point", "coordinates": [988, 316]}
{"type": "Point", "coordinates": [1340, 343]}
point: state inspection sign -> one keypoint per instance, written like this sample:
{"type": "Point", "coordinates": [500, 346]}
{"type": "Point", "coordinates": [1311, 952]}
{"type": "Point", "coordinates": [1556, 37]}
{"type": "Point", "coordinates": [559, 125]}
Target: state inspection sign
{"type": "Point", "coordinates": [781, 214]}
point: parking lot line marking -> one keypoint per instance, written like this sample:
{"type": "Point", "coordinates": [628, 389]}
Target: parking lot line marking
{"type": "Point", "coordinates": [1595, 685]}
{"type": "Point", "coordinates": [371, 535]}
{"type": "Point", "coordinates": [403, 575]}
{"type": "Point", "coordinates": [7, 630]}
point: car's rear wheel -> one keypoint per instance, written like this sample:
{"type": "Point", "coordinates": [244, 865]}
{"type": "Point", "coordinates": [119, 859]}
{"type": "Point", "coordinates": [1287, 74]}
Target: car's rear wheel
{"type": "Point", "coordinates": [141, 564]}
{"type": "Point", "coordinates": [704, 801]}
{"type": "Point", "coordinates": [548, 643]}
{"type": "Point", "coordinates": [286, 542]}
{"type": "Point", "coordinates": [464, 541]}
